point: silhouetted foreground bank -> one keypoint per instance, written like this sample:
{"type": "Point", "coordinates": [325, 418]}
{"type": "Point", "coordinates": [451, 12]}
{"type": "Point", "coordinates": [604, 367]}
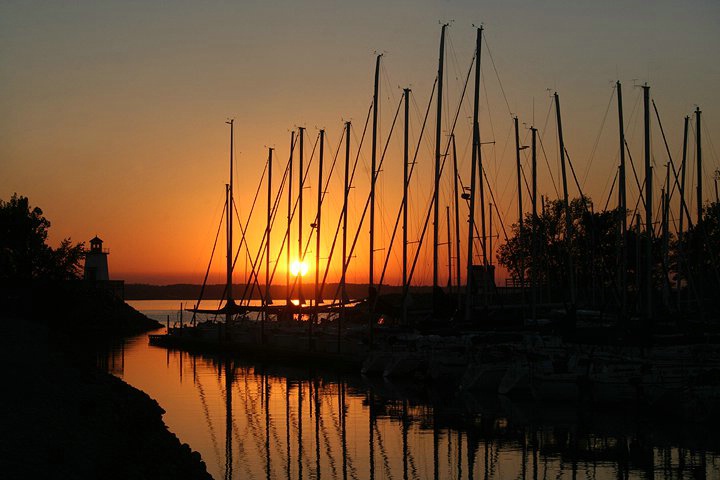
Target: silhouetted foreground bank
{"type": "Point", "coordinates": [64, 418]}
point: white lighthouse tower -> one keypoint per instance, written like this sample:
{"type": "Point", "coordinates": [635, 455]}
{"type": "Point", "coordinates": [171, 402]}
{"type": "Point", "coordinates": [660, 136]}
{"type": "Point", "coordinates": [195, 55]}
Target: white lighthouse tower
{"type": "Point", "coordinates": [96, 264]}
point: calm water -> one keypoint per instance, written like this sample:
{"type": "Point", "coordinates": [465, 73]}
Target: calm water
{"type": "Point", "coordinates": [269, 421]}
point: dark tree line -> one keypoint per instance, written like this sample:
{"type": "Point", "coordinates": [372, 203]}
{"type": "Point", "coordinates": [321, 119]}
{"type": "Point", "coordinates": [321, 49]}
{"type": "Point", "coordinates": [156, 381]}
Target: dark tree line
{"type": "Point", "coordinates": [24, 252]}
{"type": "Point", "coordinates": [689, 263]}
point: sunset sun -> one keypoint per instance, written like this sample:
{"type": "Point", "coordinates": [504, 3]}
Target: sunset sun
{"type": "Point", "coordinates": [298, 268]}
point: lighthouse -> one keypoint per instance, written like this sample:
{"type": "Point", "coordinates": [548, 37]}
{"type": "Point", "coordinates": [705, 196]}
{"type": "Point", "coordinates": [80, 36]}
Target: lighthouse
{"type": "Point", "coordinates": [96, 264]}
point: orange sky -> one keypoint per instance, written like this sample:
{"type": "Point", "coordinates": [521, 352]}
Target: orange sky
{"type": "Point", "coordinates": [113, 114]}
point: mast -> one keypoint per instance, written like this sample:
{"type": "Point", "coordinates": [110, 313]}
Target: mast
{"type": "Point", "coordinates": [698, 142]}
{"type": "Point", "coordinates": [406, 157]}
{"type": "Point", "coordinates": [449, 248]}
{"type": "Point", "coordinates": [473, 175]}
{"type": "Point", "coordinates": [457, 221]}
{"type": "Point", "coordinates": [533, 238]}
{"type": "Point", "coordinates": [622, 200]}
{"type": "Point", "coordinates": [373, 168]}
{"type": "Point", "coordinates": [566, 205]}
{"type": "Point", "coordinates": [267, 247]}
{"type": "Point", "coordinates": [289, 218]}
{"type": "Point", "coordinates": [346, 192]}
{"type": "Point", "coordinates": [301, 257]}
{"type": "Point", "coordinates": [666, 236]}
{"type": "Point", "coordinates": [318, 294]}
{"type": "Point", "coordinates": [228, 289]}
{"type": "Point", "coordinates": [490, 236]}
{"type": "Point", "coordinates": [520, 213]}
{"type": "Point", "coordinates": [438, 139]}
{"type": "Point", "coordinates": [229, 302]}
{"type": "Point", "coordinates": [648, 204]}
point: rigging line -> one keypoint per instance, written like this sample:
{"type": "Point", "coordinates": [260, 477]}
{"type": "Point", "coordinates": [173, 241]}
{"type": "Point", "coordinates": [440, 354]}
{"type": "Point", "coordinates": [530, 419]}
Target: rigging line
{"type": "Point", "coordinates": [257, 193]}
{"type": "Point", "coordinates": [254, 264]}
{"type": "Point", "coordinates": [442, 166]}
{"type": "Point", "coordinates": [432, 94]}
{"type": "Point", "coordinates": [607, 181]}
{"type": "Point", "coordinates": [487, 104]}
{"type": "Point", "coordinates": [307, 244]}
{"type": "Point", "coordinates": [346, 194]}
{"type": "Point", "coordinates": [492, 196]}
{"type": "Point", "coordinates": [367, 202]}
{"type": "Point", "coordinates": [708, 138]}
{"type": "Point", "coordinates": [572, 170]}
{"type": "Point", "coordinates": [207, 272]}
{"type": "Point", "coordinates": [503, 154]}
{"type": "Point", "coordinates": [292, 213]}
{"type": "Point", "coordinates": [597, 139]}
{"type": "Point", "coordinates": [672, 163]}
{"type": "Point", "coordinates": [322, 199]}
{"type": "Point", "coordinates": [487, 47]}
{"type": "Point", "coordinates": [612, 189]}
{"type": "Point", "coordinates": [637, 181]}
{"type": "Point", "coordinates": [390, 91]}
{"type": "Point", "coordinates": [273, 215]}
{"type": "Point", "coordinates": [404, 200]}
{"type": "Point", "coordinates": [547, 162]}
{"type": "Point", "coordinates": [252, 208]}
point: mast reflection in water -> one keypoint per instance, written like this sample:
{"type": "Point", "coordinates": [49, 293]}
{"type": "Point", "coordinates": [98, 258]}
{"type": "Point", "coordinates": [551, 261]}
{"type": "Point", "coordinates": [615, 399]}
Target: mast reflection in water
{"type": "Point", "coordinates": [268, 421]}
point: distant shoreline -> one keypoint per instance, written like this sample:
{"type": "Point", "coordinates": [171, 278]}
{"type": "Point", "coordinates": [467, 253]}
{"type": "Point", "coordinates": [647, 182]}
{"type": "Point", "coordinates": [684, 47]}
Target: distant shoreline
{"type": "Point", "coordinates": [182, 291]}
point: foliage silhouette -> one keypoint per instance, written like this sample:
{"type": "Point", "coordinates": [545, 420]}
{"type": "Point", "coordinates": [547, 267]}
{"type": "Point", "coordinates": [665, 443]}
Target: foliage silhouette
{"type": "Point", "coordinates": [24, 253]}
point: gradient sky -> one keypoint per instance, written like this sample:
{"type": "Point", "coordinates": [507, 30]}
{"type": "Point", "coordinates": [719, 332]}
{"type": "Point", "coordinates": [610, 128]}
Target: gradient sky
{"type": "Point", "coordinates": [113, 112]}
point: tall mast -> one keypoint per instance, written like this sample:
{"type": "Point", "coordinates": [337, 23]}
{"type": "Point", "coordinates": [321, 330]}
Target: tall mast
{"type": "Point", "coordinates": [267, 247]}
{"type": "Point", "coordinates": [228, 286]}
{"type": "Point", "coordinates": [406, 157]}
{"type": "Point", "coordinates": [438, 139]}
{"type": "Point", "coordinates": [622, 203]}
{"type": "Point", "coordinates": [346, 192]}
{"type": "Point", "coordinates": [566, 205]}
{"type": "Point", "coordinates": [665, 197]}
{"type": "Point", "coordinates": [229, 200]}
{"type": "Point", "coordinates": [289, 217]}
{"type": "Point", "coordinates": [473, 175]}
{"type": "Point", "coordinates": [373, 168]}
{"type": "Point", "coordinates": [318, 294]}
{"type": "Point", "coordinates": [521, 233]}
{"type": "Point", "coordinates": [648, 204]}
{"type": "Point", "coordinates": [533, 238]}
{"type": "Point", "coordinates": [301, 257]}
{"type": "Point", "coordinates": [449, 248]}
{"type": "Point", "coordinates": [698, 142]}
{"type": "Point", "coordinates": [457, 221]}
{"type": "Point", "coordinates": [490, 237]}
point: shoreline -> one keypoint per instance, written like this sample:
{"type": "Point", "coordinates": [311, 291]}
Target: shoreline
{"type": "Point", "coordinates": [67, 418]}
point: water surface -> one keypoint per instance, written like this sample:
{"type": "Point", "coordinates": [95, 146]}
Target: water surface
{"type": "Point", "coordinates": [284, 421]}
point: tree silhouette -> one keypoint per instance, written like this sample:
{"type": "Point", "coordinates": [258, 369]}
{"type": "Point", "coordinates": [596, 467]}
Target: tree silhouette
{"type": "Point", "coordinates": [24, 253]}
{"type": "Point", "coordinates": [695, 258]}
{"type": "Point", "coordinates": [593, 248]}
